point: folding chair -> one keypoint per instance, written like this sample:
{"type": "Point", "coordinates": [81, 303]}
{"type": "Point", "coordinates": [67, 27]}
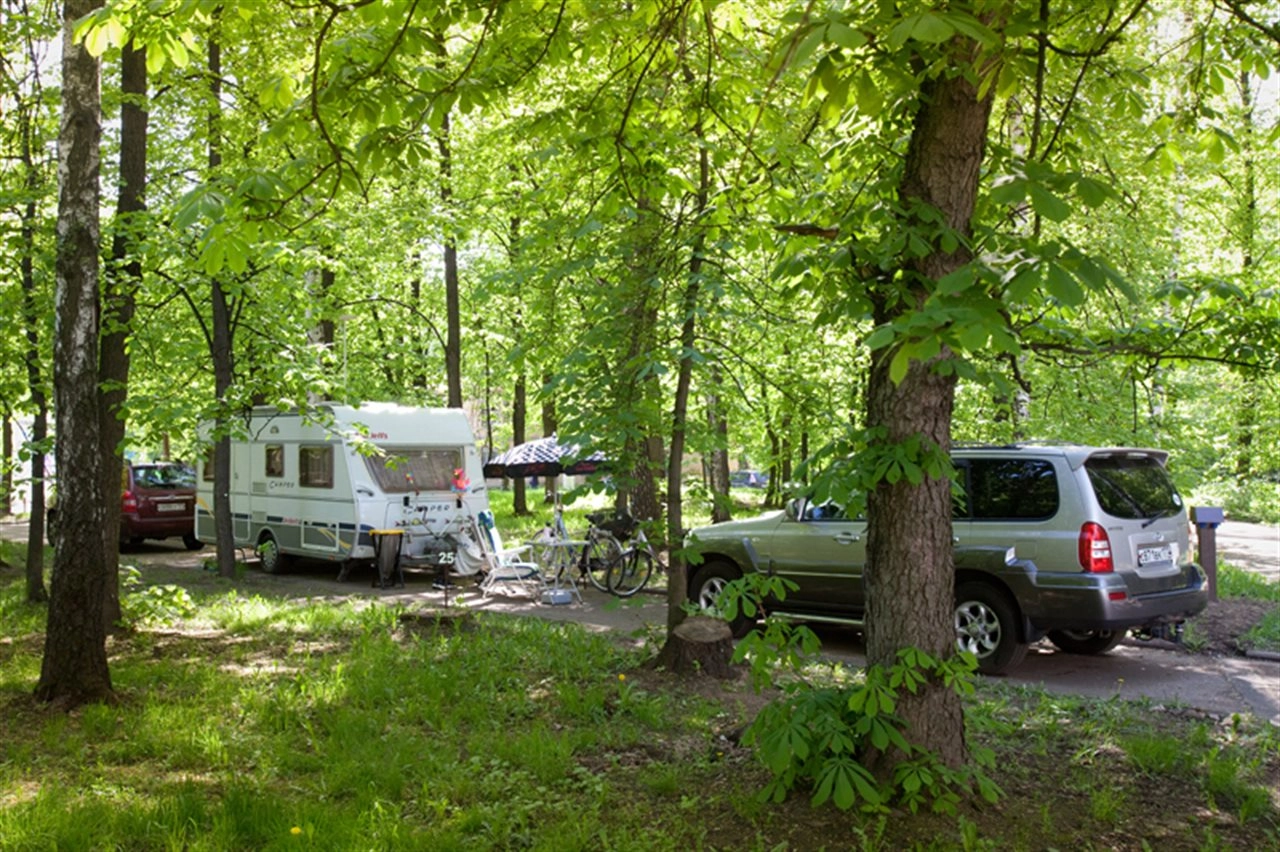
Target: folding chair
{"type": "Point", "coordinates": [505, 570]}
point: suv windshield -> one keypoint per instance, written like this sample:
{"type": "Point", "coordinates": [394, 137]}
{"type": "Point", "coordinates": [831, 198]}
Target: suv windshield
{"type": "Point", "coordinates": [1134, 487]}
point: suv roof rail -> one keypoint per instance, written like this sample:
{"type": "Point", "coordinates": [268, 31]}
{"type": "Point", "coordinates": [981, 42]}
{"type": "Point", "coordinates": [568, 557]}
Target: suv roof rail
{"type": "Point", "coordinates": [1036, 442]}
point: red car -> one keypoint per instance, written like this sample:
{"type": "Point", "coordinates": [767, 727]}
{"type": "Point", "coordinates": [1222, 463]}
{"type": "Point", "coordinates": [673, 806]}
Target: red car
{"type": "Point", "coordinates": [157, 500]}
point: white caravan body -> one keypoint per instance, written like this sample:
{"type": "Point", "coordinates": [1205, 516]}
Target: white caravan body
{"type": "Point", "coordinates": [318, 486]}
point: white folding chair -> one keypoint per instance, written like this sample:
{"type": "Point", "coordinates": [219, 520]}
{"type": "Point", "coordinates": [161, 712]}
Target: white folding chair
{"type": "Point", "coordinates": [506, 571]}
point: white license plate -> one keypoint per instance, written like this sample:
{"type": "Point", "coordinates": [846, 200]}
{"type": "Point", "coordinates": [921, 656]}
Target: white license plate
{"type": "Point", "coordinates": [170, 507]}
{"type": "Point", "coordinates": [1152, 555]}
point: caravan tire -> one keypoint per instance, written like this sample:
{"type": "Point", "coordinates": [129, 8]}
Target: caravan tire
{"type": "Point", "coordinates": [269, 555]}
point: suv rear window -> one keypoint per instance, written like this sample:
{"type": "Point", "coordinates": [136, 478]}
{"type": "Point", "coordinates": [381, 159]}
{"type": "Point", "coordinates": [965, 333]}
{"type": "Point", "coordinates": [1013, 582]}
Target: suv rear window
{"type": "Point", "coordinates": [1011, 489]}
{"type": "Point", "coordinates": [1132, 487]}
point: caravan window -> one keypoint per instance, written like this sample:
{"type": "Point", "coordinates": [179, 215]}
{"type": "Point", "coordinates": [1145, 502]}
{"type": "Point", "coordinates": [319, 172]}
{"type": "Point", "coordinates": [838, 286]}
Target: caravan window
{"type": "Point", "coordinates": [400, 470]}
{"type": "Point", "coordinates": [208, 465]}
{"type": "Point", "coordinates": [275, 460]}
{"type": "Point", "coordinates": [315, 466]}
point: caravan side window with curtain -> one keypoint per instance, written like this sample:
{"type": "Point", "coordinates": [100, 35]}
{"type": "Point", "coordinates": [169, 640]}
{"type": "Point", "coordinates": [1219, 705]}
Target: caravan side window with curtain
{"type": "Point", "coordinates": [275, 460]}
{"type": "Point", "coordinates": [315, 466]}
{"type": "Point", "coordinates": [208, 465]}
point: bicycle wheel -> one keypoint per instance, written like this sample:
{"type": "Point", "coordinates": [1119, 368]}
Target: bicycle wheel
{"type": "Point", "coordinates": [602, 551]}
{"type": "Point", "coordinates": [630, 572]}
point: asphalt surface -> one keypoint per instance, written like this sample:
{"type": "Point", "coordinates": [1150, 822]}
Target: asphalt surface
{"type": "Point", "coordinates": [1157, 671]}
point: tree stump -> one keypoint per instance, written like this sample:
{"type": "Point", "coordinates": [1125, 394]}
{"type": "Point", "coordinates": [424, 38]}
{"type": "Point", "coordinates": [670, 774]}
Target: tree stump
{"type": "Point", "coordinates": [700, 645]}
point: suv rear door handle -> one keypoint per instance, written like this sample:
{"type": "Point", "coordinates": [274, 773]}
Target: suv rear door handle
{"type": "Point", "coordinates": [847, 538]}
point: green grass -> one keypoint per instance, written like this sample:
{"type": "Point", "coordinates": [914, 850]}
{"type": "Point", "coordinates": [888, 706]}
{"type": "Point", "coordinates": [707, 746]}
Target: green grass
{"type": "Point", "coordinates": [263, 724]}
{"type": "Point", "coordinates": [254, 723]}
{"type": "Point", "coordinates": [1237, 583]}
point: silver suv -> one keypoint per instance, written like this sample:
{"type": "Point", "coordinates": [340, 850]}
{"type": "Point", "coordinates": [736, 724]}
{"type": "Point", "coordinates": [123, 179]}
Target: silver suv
{"type": "Point", "coordinates": [1077, 544]}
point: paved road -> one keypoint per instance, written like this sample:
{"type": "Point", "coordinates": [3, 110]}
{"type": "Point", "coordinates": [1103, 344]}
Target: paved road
{"type": "Point", "coordinates": [1254, 547]}
{"type": "Point", "coordinates": [1156, 670]}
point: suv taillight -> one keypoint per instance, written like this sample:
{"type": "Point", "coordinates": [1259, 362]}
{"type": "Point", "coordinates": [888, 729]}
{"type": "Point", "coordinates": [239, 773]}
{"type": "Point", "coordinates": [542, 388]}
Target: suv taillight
{"type": "Point", "coordinates": [128, 502]}
{"type": "Point", "coordinates": [1095, 549]}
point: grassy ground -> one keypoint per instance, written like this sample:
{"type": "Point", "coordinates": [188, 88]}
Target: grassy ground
{"type": "Point", "coordinates": [248, 723]}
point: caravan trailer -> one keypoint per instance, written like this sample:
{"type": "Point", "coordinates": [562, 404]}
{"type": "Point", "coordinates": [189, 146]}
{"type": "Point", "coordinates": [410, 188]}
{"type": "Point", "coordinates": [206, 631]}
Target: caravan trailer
{"type": "Point", "coordinates": [324, 486]}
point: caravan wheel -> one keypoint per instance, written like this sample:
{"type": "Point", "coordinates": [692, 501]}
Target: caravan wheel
{"type": "Point", "coordinates": [272, 560]}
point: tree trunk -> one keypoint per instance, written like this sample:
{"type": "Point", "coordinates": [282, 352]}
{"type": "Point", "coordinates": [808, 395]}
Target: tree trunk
{"type": "Point", "coordinates": [35, 381]}
{"type": "Point", "coordinates": [321, 335]}
{"type": "Point", "coordinates": [6, 471]}
{"type": "Point", "coordinates": [74, 669]}
{"type": "Point", "coordinates": [910, 580]}
{"type": "Point", "coordinates": [550, 425]}
{"type": "Point", "coordinates": [639, 393]}
{"type": "Point", "coordinates": [222, 344]}
{"type": "Point", "coordinates": [718, 458]}
{"type": "Point", "coordinates": [677, 570]}
{"type": "Point", "coordinates": [119, 303]}
{"type": "Point", "coordinates": [519, 414]}
{"type": "Point", "coordinates": [453, 310]}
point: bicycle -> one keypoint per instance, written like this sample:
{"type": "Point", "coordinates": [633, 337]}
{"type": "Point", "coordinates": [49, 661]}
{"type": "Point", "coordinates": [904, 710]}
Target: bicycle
{"type": "Point", "coordinates": [592, 557]}
{"type": "Point", "coordinates": [630, 570]}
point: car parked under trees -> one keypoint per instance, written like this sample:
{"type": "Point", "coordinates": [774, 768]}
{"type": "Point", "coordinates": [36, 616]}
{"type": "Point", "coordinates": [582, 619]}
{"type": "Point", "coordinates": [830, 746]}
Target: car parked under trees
{"type": "Point", "coordinates": [157, 501]}
{"type": "Point", "coordinates": [1081, 545]}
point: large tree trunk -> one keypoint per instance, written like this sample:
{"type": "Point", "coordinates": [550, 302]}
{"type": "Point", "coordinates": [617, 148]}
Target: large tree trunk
{"type": "Point", "coordinates": [910, 583]}
{"type": "Point", "coordinates": [74, 670]}
{"type": "Point", "coordinates": [119, 302]}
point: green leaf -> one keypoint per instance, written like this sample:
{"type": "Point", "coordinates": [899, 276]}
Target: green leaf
{"type": "Point", "coordinates": [1012, 191]}
{"type": "Point", "coordinates": [1063, 285]}
{"type": "Point", "coordinates": [1093, 193]}
{"type": "Point", "coordinates": [880, 338]}
{"type": "Point", "coordinates": [898, 366]}
{"type": "Point", "coordinates": [870, 99]}
{"type": "Point", "coordinates": [845, 36]}
{"type": "Point", "coordinates": [926, 27]}
{"type": "Point", "coordinates": [1048, 205]}
{"type": "Point", "coordinates": [956, 282]}
{"type": "Point", "coordinates": [973, 337]}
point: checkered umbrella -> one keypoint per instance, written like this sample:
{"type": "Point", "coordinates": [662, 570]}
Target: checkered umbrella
{"type": "Point", "coordinates": [543, 457]}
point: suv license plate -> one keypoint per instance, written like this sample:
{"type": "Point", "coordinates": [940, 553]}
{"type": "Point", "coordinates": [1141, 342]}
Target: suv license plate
{"type": "Point", "coordinates": [1152, 555]}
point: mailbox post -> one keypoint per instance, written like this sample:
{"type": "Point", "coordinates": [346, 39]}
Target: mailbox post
{"type": "Point", "coordinates": [1206, 519]}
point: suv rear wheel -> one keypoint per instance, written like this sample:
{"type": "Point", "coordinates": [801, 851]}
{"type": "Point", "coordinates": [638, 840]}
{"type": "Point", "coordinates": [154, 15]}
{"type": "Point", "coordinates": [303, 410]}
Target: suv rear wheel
{"type": "Point", "coordinates": [987, 627]}
{"type": "Point", "coordinates": [1086, 641]}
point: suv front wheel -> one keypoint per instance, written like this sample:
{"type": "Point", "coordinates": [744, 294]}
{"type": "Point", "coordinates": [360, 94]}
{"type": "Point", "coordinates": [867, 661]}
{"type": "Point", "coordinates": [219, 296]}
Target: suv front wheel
{"type": "Point", "coordinates": [987, 627]}
{"type": "Point", "coordinates": [708, 582]}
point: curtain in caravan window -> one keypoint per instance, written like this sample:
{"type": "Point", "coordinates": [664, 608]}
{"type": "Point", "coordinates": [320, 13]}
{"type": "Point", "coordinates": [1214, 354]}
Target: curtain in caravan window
{"type": "Point", "coordinates": [315, 466]}
{"type": "Point", "coordinates": [401, 470]}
